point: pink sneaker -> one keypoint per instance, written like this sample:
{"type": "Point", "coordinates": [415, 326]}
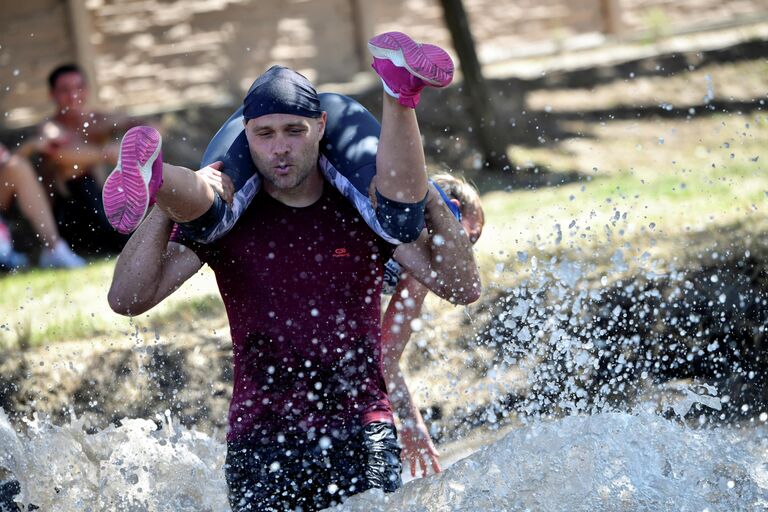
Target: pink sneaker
{"type": "Point", "coordinates": [131, 188]}
{"type": "Point", "coordinates": [406, 67]}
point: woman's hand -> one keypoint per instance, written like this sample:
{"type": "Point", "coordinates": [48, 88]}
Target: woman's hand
{"type": "Point", "coordinates": [418, 449]}
{"type": "Point", "coordinates": [218, 181]}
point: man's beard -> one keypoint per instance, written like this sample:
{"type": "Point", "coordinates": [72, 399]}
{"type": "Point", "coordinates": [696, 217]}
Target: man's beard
{"type": "Point", "coordinates": [288, 182]}
{"type": "Point", "coordinates": [301, 167]}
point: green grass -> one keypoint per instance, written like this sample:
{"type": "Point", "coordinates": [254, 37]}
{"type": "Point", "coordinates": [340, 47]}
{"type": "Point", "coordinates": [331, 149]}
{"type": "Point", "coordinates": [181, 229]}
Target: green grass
{"type": "Point", "coordinates": [708, 174]}
{"type": "Point", "coordinates": [41, 306]}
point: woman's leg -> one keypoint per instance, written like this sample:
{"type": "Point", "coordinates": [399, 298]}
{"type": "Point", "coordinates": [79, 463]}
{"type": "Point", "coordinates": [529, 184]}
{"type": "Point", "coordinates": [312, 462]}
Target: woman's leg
{"type": "Point", "coordinates": [401, 169]}
{"type": "Point", "coordinates": [141, 179]}
{"type": "Point", "coordinates": [184, 195]}
{"type": "Point", "coordinates": [405, 68]}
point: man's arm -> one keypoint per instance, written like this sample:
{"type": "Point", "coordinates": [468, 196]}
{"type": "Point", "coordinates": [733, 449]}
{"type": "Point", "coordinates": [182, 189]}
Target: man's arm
{"type": "Point", "coordinates": [150, 268]}
{"type": "Point", "coordinates": [72, 157]}
{"type": "Point", "coordinates": [442, 259]}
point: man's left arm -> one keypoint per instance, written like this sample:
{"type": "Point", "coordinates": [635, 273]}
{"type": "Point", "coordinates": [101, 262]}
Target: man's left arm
{"type": "Point", "coordinates": [442, 258]}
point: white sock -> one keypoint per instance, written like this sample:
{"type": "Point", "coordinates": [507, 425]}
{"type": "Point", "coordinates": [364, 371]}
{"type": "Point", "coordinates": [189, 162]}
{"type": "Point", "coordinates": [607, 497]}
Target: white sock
{"type": "Point", "coordinates": [388, 90]}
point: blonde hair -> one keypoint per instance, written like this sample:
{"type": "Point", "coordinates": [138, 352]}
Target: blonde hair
{"type": "Point", "coordinates": [460, 189]}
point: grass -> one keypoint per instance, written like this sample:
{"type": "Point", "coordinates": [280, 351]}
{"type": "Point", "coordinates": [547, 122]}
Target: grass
{"type": "Point", "coordinates": [705, 173]}
{"type": "Point", "coordinates": [42, 306]}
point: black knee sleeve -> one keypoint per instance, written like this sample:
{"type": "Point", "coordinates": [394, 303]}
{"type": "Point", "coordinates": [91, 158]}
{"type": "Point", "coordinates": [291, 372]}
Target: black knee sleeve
{"type": "Point", "coordinates": [201, 227]}
{"type": "Point", "coordinates": [403, 221]}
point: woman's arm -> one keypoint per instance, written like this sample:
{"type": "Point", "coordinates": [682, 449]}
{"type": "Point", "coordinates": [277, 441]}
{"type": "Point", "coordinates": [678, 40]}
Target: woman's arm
{"type": "Point", "coordinates": [403, 309]}
{"type": "Point", "coordinates": [442, 258]}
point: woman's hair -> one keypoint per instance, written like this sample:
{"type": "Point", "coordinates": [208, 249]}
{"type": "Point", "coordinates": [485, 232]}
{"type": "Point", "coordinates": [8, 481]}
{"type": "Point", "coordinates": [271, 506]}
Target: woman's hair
{"type": "Point", "coordinates": [459, 188]}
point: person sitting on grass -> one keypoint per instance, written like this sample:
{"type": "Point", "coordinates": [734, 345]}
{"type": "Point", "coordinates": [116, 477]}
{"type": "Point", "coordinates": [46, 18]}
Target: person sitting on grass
{"type": "Point", "coordinates": [79, 148]}
{"type": "Point", "coordinates": [19, 184]}
{"type": "Point", "coordinates": [404, 307]}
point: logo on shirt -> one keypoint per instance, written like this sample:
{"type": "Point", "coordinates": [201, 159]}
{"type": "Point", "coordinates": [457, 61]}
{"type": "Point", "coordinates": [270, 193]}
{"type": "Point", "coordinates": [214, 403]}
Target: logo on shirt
{"type": "Point", "coordinates": [341, 252]}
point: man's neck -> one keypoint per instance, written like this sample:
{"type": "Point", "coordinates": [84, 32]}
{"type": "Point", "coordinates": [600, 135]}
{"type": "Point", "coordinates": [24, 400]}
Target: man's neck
{"type": "Point", "coordinates": [304, 194]}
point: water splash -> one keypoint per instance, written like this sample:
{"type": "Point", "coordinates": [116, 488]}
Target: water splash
{"type": "Point", "coordinates": [610, 462]}
{"type": "Point", "coordinates": [132, 467]}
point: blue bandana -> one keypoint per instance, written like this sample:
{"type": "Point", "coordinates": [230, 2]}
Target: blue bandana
{"type": "Point", "coordinates": [455, 210]}
{"type": "Point", "coordinates": [281, 91]}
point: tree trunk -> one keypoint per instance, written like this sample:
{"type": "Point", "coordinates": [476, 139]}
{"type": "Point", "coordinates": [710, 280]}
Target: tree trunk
{"type": "Point", "coordinates": [491, 140]}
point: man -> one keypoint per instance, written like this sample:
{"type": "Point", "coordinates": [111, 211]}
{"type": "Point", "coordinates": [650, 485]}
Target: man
{"type": "Point", "coordinates": [300, 274]}
{"type": "Point", "coordinates": [78, 148]}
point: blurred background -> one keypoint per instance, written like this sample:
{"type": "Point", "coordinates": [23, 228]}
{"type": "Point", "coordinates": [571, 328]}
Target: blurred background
{"type": "Point", "coordinates": [148, 56]}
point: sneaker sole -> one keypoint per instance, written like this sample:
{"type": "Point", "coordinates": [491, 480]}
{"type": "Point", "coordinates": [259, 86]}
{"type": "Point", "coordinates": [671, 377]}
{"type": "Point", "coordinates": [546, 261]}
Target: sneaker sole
{"type": "Point", "coordinates": [126, 194]}
{"type": "Point", "coordinates": [428, 62]}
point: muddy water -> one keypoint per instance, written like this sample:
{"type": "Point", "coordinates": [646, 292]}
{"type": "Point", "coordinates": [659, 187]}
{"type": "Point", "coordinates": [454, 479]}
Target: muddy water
{"type": "Point", "coordinates": [610, 461]}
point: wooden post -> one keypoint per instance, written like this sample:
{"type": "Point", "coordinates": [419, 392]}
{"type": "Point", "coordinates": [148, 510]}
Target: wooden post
{"type": "Point", "coordinates": [492, 143]}
{"type": "Point", "coordinates": [361, 28]}
{"type": "Point", "coordinates": [610, 10]}
{"type": "Point", "coordinates": [82, 29]}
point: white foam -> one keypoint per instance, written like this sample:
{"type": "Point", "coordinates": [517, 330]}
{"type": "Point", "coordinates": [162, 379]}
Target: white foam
{"type": "Point", "coordinates": [609, 462]}
{"type": "Point", "coordinates": [135, 467]}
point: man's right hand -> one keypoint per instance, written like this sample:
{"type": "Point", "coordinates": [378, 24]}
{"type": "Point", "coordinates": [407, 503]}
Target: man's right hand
{"type": "Point", "coordinates": [218, 181]}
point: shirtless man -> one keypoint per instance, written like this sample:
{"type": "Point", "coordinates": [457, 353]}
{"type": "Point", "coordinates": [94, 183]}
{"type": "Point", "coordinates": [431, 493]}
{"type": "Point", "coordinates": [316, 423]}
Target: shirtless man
{"type": "Point", "coordinates": [79, 147]}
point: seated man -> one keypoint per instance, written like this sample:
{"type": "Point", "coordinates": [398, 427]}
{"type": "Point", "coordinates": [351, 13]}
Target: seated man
{"type": "Point", "coordinates": [405, 306]}
{"type": "Point", "coordinates": [300, 273]}
{"type": "Point", "coordinates": [18, 183]}
{"type": "Point", "coordinates": [78, 148]}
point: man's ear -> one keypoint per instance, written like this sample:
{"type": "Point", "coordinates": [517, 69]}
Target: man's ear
{"type": "Point", "coordinates": [456, 202]}
{"type": "Point", "coordinates": [321, 121]}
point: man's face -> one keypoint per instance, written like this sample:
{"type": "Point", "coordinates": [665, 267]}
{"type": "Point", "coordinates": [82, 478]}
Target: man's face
{"type": "Point", "coordinates": [69, 93]}
{"type": "Point", "coordinates": [285, 147]}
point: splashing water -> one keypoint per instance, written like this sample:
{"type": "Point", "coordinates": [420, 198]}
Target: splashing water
{"type": "Point", "coordinates": [132, 467]}
{"type": "Point", "coordinates": [610, 461]}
